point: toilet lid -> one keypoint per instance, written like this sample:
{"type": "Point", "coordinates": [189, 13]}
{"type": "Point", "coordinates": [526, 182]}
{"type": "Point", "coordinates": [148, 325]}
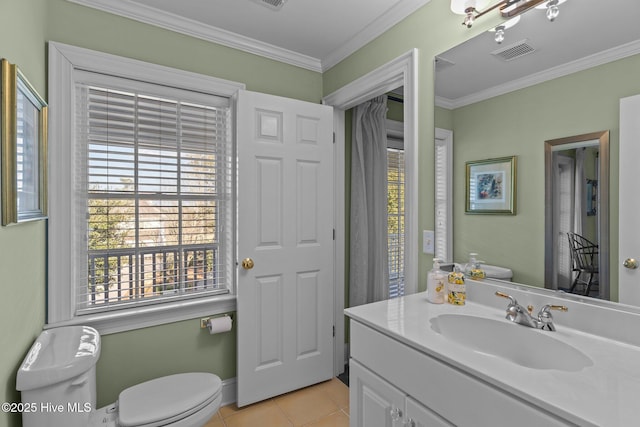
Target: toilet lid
{"type": "Point", "coordinates": [167, 399]}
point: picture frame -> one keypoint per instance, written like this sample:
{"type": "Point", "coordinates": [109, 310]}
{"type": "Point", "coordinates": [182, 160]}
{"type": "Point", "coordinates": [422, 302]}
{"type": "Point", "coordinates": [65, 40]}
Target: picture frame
{"type": "Point", "coordinates": [23, 140]}
{"type": "Point", "coordinates": [491, 186]}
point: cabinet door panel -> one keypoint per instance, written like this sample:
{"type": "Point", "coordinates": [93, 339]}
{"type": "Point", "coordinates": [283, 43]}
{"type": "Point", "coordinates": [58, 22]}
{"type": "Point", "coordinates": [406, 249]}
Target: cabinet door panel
{"type": "Point", "coordinates": [423, 416]}
{"type": "Point", "coordinates": [372, 400]}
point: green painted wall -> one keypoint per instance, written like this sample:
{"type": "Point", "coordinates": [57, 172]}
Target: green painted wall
{"type": "Point", "coordinates": [443, 118]}
{"type": "Point", "coordinates": [133, 357]}
{"type": "Point", "coordinates": [22, 247]}
{"type": "Point", "coordinates": [518, 124]}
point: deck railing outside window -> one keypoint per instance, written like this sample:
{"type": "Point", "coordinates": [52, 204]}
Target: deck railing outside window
{"type": "Point", "coordinates": [160, 271]}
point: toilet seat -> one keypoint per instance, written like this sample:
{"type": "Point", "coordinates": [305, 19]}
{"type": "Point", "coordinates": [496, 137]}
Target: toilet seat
{"type": "Point", "coordinates": [166, 400]}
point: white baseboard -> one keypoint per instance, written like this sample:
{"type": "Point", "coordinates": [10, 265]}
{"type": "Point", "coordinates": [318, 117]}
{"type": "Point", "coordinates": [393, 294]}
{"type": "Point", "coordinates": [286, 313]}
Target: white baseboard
{"type": "Point", "coordinates": [229, 391]}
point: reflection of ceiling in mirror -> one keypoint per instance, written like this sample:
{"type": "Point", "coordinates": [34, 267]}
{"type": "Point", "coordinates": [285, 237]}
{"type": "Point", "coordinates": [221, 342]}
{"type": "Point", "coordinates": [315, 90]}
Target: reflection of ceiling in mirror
{"type": "Point", "coordinates": [476, 69]}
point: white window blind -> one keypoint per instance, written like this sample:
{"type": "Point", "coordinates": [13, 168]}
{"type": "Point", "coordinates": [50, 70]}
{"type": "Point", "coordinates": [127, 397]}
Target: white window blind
{"type": "Point", "coordinates": [395, 218]}
{"type": "Point", "coordinates": [154, 194]}
{"type": "Point", "coordinates": [443, 198]}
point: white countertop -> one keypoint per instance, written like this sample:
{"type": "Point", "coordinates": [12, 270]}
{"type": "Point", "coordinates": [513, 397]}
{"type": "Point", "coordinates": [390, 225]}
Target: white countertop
{"type": "Point", "coordinates": [606, 394]}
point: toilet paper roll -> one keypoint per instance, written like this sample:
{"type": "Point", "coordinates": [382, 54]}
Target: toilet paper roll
{"type": "Point", "coordinates": [219, 324]}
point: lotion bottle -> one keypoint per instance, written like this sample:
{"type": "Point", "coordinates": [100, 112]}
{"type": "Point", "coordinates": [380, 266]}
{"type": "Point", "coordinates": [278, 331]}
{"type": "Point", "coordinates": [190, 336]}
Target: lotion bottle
{"type": "Point", "coordinates": [436, 284]}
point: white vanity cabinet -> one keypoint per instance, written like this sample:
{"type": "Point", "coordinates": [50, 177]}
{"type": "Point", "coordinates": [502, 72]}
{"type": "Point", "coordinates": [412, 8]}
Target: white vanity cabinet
{"type": "Point", "coordinates": [376, 403]}
{"type": "Point", "coordinates": [393, 384]}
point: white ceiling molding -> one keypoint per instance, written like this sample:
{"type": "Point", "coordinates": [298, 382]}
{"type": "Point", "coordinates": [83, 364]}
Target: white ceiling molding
{"type": "Point", "coordinates": [373, 30]}
{"type": "Point", "coordinates": [600, 58]}
{"type": "Point", "coordinates": [170, 21]}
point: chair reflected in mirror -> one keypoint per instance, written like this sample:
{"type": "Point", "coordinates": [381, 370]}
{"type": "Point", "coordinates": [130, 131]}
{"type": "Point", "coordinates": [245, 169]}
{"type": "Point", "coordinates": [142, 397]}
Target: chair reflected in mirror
{"type": "Point", "coordinates": [584, 260]}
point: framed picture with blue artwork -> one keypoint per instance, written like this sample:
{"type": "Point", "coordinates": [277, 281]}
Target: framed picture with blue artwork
{"type": "Point", "coordinates": [491, 186]}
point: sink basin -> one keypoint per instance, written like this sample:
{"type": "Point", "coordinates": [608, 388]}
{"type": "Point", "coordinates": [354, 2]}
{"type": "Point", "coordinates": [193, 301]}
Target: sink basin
{"type": "Point", "coordinates": [519, 344]}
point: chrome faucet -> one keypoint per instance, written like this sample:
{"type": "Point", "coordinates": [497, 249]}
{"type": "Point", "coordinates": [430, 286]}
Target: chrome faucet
{"type": "Point", "coordinates": [518, 314]}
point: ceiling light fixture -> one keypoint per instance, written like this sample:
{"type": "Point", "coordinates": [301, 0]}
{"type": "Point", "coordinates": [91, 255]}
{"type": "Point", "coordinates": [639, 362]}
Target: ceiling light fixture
{"type": "Point", "coordinates": [473, 9]}
{"type": "Point", "coordinates": [500, 29]}
{"type": "Point", "coordinates": [552, 8]}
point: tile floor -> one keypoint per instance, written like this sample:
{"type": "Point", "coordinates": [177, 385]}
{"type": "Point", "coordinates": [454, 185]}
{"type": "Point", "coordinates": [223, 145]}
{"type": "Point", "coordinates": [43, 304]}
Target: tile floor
{"type": "Point", "coordinates": [321, 405]}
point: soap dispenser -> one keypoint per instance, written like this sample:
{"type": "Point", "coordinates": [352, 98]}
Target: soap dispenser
{"type": "Point", "coordinates": [473, 269]}
{"type": "Point", "coordinates": [436, 283]}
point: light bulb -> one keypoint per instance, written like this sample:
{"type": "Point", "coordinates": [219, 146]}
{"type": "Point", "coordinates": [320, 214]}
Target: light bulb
{"type": "Point", "coordinates": [552, 10]}
{"type": "Point", "coordinates": [499, 37]}
{"type": "Point", "coordinates": [469, 19]}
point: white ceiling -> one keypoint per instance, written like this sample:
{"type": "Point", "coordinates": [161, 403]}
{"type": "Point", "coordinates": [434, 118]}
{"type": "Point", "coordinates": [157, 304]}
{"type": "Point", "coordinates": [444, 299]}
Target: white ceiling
{"type": "Point", "coordinates": [585, 34]}
{"type": "Point", "coordinates": [314, 34]}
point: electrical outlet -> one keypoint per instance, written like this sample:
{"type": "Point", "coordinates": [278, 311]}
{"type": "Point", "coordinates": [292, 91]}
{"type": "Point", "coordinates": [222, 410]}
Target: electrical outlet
{"type": "Point", "coordinates": [428, 238]}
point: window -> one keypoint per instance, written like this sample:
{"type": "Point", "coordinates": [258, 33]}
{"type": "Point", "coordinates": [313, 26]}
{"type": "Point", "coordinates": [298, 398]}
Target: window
{"type": "Point", "coordinates": [395, 212]}
{"type": "Point", "coordinates": [141, 228]}
{"type": "Point", "coordinates": [155, 189]}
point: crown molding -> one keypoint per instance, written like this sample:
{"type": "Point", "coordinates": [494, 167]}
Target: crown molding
{"type": "Point", "coordinates": [383, 23]}
{"type": "Point", "coordinates": [170, 21]}
{"type": "Point", "coordinates": [600, 58]}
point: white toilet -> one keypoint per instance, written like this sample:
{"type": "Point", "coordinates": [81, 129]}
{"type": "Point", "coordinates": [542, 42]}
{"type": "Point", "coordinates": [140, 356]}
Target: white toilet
{"type": "Point", "coordinates": [58, 383]}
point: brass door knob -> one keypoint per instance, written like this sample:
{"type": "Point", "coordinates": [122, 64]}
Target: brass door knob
{"type": "Point", "coordinates": [630, 263]}
{"type": "Point", "coordinates": [247, 263]}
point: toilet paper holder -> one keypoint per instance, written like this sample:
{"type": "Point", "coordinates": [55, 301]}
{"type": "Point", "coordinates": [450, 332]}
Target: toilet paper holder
{"type": "Point", "coordinates": [205, 320]}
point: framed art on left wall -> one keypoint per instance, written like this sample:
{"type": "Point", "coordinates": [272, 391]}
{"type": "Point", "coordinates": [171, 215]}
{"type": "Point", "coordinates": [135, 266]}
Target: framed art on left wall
{"type": "Point", "coordinates": [23, 124]}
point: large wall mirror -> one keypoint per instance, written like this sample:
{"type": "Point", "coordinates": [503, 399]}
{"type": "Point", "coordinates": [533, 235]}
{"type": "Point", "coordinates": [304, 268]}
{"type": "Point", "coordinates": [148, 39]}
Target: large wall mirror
{"type": "Point", "coordinates": [547, 83]}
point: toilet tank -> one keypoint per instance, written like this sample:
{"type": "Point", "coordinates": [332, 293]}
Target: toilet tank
{"type": "Point", "coordinates": [57, 378]}
{"type": "Point", "coordinates": [495, 272]}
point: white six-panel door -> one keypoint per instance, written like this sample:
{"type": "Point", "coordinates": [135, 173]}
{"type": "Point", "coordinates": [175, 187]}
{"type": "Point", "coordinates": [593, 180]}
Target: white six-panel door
{"type": "Point", "coordinates": [629, 244]}
{"type": "Point", "coordinates": [285, 227]}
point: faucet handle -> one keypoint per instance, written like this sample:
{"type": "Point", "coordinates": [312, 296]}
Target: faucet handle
{"type": "Point", "coordinates": [503, 295]}
{"type": "Point", "coordinates": [549, 307]}
{"type": "Point", "coordinates": [545, 315]}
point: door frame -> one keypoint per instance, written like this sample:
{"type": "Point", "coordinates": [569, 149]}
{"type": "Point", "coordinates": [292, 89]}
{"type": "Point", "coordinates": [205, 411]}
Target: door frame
{"type": "Point", "coordinates": [399, 72]}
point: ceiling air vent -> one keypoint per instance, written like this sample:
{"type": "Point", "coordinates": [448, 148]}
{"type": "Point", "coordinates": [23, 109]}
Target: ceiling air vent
{"type": "Point", "coordinates": [514, 51]}
{"type": "Point", "coordinates": [272, 4]}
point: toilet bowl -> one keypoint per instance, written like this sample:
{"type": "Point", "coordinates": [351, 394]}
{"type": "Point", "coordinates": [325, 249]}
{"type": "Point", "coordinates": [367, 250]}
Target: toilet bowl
{"type": "Point", "coordinates": [57, 380]}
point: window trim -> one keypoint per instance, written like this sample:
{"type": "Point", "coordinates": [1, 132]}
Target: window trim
{"type": "Point", "coordinates": [444, 138]}
{"type": "Point", "coordinates": [63, 61]}
{"type": "Point", "coordinates": [395, 141]}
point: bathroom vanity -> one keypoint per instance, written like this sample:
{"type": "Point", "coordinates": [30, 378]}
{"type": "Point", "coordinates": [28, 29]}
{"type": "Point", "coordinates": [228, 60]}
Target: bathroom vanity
{"type": "Point", "coordinates": [414, 363]}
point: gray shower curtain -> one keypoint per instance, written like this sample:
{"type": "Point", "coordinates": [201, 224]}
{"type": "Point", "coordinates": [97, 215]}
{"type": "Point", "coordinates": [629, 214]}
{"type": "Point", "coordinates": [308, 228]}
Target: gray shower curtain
{"type": "Point", "coordinates": [369, 268]}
